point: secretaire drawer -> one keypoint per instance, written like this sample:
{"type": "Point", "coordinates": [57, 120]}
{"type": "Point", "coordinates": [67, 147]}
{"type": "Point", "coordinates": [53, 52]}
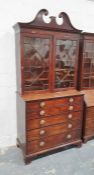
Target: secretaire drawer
{"type": "Point", "coordinates": [41, 122]}
{"type": "Point", "coordinates": [44, 104]}
{"type": "Point", "coordinates": [52, 141]}
{"type": "Point", "coordinates": [53, 130]}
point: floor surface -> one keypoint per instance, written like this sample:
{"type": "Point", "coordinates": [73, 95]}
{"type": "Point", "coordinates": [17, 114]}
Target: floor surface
{"type": "Point", "coordinates": [74, 161]}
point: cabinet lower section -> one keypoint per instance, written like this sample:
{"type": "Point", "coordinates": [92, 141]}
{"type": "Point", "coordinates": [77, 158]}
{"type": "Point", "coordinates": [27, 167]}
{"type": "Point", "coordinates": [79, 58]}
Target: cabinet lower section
{"type": "Point", "coordinates": [88, 129]}
{"type": "Point", "coordinates": [49, 124]}
{"type": "Point", "coordinates": [89, 124]}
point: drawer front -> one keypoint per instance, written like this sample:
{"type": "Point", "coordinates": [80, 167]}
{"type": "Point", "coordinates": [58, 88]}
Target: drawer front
{"type": "Point", "coordinates": [53, 141]}
{"type": "Point", "coordinates": [90, 113]}
{"type": "Point", "coordinates": [89, 131]}
{"type": "Point", "coordinates": [53, 130]}
{"type": "Point", "coordinates": [42, 122]}
{"type": "Point", "coordinates": [53, 111]}
{"type": "Point", "coordinates": [39, 105]}
{"type": "Point", "coordinates": [89, 123]}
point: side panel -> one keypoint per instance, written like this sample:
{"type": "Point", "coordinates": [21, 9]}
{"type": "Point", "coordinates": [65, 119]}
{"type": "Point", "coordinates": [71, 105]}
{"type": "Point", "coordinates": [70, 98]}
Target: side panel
{"type": "Point", "coordinates": [18, 61]}
{"type": "Point", "coordinates": [21, 128]}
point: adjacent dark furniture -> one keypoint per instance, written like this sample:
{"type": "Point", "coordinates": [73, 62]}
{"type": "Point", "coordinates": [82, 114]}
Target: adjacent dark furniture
{"type": "Point", "coordinates": [87, 84]}
{"type": "Point", "coordinates": [88, 124]}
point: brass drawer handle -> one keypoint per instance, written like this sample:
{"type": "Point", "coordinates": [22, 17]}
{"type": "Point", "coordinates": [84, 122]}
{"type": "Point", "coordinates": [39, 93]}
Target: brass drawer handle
{"type": "Point", "coordinates": [42, 112]}
{"type": "Point", "coordinates": [42, 104]}
{"type": "Point", "coordinates": [70, 116]}
{"type": "Point", "coordinates": [42, 143]}
{"type": "Point", "coordinates": [71, 108]}
{"type": "Point", "coordinates": [69, 125]}
{"type": "Point", "coordinates": [42, 122]}
{"type": "Point", "coordinates": [69, 136]}
{"type": "Point", "coordinates": [42, 132]}
{"type": "Point", "coordinates": [71, 99]}
{"type": "Point", "coordinates": [33, 31]}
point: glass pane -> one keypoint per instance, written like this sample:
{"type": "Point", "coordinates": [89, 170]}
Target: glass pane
{"type": "Point", "coordinates": [65, 63]}
{"type": "Point", "coordinates": [86, 68]}
{"type": "Point", "coordinates": [36, 57]}
{"type": "Point", "coordinates": [86, 83]}
{"type": "Point", "coordinates": [92, 66]}
{"type": "Point", "coordinates": [88, 65]}
{"type": "Point", "coordinates": [92, 82]}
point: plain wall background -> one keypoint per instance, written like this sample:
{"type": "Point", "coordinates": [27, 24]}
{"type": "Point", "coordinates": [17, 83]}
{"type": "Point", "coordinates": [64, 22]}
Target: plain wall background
{"type": "Point", "coordinates": [81, 13]}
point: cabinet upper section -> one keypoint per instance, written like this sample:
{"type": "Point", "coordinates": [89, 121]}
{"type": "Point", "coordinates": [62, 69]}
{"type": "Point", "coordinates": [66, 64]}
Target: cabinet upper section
{"type": "Point", "coordinates": [47, 54]}
{"type": "Point", "coordinates": [88, 61]}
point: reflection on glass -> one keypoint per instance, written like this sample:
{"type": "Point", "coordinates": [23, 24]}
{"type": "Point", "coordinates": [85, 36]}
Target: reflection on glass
{"type": "Point", "coordinates": [88, 65]}
{"type": "Point", "coordinates": [36, 57]}
{"type": "Point", "coordinates": [65, 63]}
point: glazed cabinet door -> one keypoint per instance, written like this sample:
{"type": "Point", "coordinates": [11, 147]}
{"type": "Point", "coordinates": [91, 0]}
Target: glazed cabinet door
{"type": "Point", "coordinates": [50, 62]}
{"type": "Point", "coordinates": [66, 59]}
{"type": "Point", "coordinates": [88, 65]}
{"type": "Point", "coordinates": [37, 51]}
